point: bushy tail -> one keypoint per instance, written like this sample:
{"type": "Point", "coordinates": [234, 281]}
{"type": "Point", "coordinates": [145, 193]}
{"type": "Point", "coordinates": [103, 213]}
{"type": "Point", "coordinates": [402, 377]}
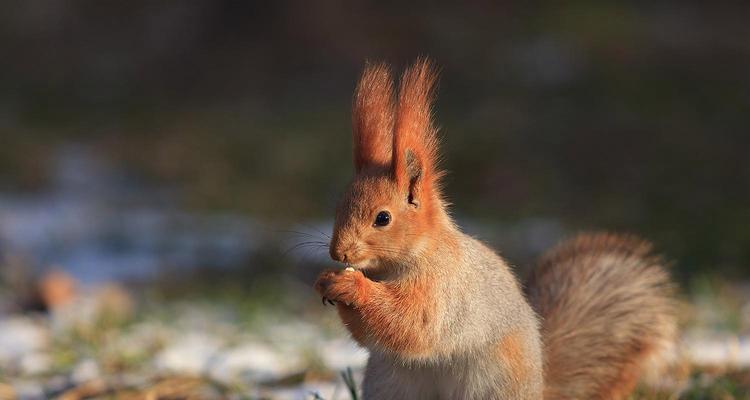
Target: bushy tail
{"type": "Point", "coordinates": [607, 308]}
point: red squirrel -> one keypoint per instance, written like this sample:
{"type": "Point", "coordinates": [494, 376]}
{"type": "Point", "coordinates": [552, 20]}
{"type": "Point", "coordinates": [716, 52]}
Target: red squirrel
{"type": "Point", "coordinates": [442, 315]}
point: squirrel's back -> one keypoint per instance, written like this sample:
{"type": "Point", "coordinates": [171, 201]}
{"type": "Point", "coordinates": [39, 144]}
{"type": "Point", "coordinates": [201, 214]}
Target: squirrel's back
{"type": "Point", "coordinates": [606, 307]}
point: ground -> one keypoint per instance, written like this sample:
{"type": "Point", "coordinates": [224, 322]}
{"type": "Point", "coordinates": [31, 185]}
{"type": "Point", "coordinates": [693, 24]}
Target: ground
{"type": "Point", "coordinates": [106, 344]}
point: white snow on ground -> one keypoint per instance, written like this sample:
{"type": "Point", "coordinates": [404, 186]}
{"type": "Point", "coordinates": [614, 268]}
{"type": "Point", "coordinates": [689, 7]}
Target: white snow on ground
{"type": "Point", "coordinates": [721, 351]}
{"type": "Point", "coordinates": [203, 343]}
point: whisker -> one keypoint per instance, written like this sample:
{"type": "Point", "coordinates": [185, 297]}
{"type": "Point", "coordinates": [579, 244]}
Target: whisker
{"type": "Point", "coordinates": [319, 231]}
{"type": "Point", "coordinates": [303, 245]}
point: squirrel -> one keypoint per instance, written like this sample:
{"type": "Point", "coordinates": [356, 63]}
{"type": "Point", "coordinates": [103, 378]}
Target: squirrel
{"type": "Point", "coordinates": [442, 315]}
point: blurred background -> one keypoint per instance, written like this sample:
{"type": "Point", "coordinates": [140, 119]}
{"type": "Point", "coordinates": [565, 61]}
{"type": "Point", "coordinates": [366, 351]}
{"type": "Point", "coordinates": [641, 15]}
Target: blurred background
{"type": "Point", "coordinates": [168, 169]}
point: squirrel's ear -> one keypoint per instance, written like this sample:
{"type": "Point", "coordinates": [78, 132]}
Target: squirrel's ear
{"type": "Point", "coordinates": [372, 117]}
{"type": "Point", "coordinates": [415, 143]}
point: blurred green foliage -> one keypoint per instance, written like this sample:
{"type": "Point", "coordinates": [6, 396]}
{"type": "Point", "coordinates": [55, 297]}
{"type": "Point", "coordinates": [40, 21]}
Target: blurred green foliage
{"type": "Point", "coordinates": [602, 115]}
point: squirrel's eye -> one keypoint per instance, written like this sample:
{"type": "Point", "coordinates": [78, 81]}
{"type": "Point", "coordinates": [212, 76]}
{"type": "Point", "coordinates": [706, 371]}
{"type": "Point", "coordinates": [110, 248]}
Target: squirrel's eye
{"type": "Point", "coordinates": [383, 218]}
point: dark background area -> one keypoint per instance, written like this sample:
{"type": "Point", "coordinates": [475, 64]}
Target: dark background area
{"type": "Point", "coordinates": [587, 115]}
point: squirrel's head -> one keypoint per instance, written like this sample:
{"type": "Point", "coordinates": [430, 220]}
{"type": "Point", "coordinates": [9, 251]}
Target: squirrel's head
{"type": "Point", "coordinates": [392, 210]}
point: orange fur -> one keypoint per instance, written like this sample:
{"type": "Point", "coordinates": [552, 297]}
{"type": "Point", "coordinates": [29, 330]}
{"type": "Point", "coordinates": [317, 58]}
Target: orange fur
{"type": "Point", "coordinates": [512, 353]}
{"type": "Point", "coordinates": [625, 381]}
{"type": "Point", "coordinates": [385, 314]}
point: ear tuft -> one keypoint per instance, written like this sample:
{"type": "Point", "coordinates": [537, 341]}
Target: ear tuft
{"type": "Point", "coordinates": [372, 117]}
{"type": "Point", "coordinates": [415, 143]}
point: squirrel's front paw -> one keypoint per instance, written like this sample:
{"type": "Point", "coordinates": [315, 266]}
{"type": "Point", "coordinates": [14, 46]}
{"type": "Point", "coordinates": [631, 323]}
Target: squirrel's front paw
{"type": "Point", "coordinates": [344, 286]}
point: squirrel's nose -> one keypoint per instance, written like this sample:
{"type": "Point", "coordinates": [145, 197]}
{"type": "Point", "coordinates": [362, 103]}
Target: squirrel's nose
{"type": "Point", "coordinates": [338, 255]}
